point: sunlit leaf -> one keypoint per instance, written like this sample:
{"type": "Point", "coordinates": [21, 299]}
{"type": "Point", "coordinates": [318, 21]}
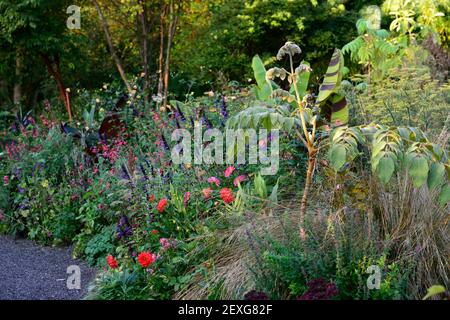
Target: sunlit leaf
{"type": "Point", "coordinates": [436, 175]}
{"type": "Point", "coordinates": [418, 170]}
{"type": "Point", "coordinates": [337, 156]}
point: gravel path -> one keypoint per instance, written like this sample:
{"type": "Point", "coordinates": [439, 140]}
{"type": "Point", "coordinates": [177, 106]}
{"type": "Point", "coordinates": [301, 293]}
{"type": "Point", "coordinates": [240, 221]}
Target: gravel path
{"type": "Point", "coordinates": [31, 272]}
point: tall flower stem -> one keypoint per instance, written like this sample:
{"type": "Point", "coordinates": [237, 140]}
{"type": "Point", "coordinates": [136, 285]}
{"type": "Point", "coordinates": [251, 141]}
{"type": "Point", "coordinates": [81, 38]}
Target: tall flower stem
{"type": "Point", "coordinates": [312, 151]}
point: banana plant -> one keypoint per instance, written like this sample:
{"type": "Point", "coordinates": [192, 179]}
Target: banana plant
{"type": "Point", "coordinates": [296, 110]}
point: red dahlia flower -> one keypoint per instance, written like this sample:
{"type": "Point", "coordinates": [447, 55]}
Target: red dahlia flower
{"type": "Point", "coordinates": [161, 205]}
{"type": "Point", "coordinates": [112, 262]}
{"type": "Point", "coordinates": [226, 195]}
{"type": "Point", "coordinates": [145, 259]}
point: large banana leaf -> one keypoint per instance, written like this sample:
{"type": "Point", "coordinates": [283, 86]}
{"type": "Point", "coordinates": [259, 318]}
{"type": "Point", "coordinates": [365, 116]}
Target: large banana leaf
{"type": "Point", "coordinates": [332, 105]}
{"type": "Point", "coordinates": [264, 88]}
{"type": "Point", "coordinates": [335, 109]}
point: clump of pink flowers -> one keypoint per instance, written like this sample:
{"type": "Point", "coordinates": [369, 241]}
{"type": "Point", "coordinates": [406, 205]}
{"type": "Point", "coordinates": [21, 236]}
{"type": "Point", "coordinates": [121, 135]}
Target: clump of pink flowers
{"type": "Point", "coordinates": [238, 180]}
{"type": "Point", "coordinates": [166, 244]}
{"type": "Point", "coordinates": [187, 196]}
{"type": "Point", "coordinates": [214, 180]}
{"type": "Point", "coordinates": [229, 171]}
{"type": "Point", "coordinates": [207, 193]}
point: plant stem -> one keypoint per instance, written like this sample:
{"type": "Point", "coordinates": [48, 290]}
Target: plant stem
{"type": "Point", "coordinates": [299, 102]}
{"type": "Point", "coordinates": [312, 157]}
{"type": "Point", "coordinates": [312, 153]}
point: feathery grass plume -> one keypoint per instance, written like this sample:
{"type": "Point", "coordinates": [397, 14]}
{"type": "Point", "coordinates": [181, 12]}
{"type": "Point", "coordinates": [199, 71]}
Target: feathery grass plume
{"type": "Point", "coordinates": [416, 229]}
{"type": "Point", "coordinates": [233, 256]}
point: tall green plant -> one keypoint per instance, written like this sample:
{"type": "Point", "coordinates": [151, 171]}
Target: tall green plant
{"type": "Point", "coordinates": [372, 50]}
{"type": "Point", "coordinates": [295, 110]}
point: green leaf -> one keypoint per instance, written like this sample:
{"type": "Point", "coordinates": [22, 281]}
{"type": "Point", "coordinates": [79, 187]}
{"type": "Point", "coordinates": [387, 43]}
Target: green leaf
{"type": "Point", "coordinates": [444, 196]}
{"type": "Point", "coordinates": [436, 175]}
{"type": "Point", "coordinates": [274, 194]}
{"type": "Point", "coordinates": [434, 290]}
{"type": "Point", "coordinates": [338, 156]}
{"type": "Point", "coordinates": [264, 89]}
{"type": "Point", "coordinates": [264, 92]}
{"type": "Point", "coordinates": [353, 46]}
{"type": "Point", "coordinates": [259, 71]}
{"type": "Point", "coordinates": [175, 103]}
{"type": "Point", "coordinates": [339, 109]}
{"type": "Point", "coordinates": [418, 170]}
{"type": "Point", "coordinates": [274, 119]}
{"type": "Point", "coordinates": [361, 26]}
{"type": "Point", "coordinates": [337, 133]}
{"type": "Point", "coordinates": [332, 77]}
{"type": "Point", "coordinates": [364, 54]}
{"type": "Point", "coordinates": [302, 82]}
{"type": "Point", "coordinates": [382, 33]}
{"type": "Point", "coordinates": [378, 147]}
{"type": "Point", "coordinates": [385, 169]}
{"type": "Point", "coordinates": [332, 105]}
{"type": "Point", "coordinates": [288, 124]}
{"type": "Point", "coordinates": [260, 186]}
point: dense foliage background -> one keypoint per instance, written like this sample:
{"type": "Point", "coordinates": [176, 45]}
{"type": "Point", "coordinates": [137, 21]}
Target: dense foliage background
{"type": "Point", "coordinates": [214, 40]}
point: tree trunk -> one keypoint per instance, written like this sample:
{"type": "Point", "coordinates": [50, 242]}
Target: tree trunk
{"type": "Point", "coordinates": [312, 157]}
{"type": "Point", "coordinates": [17, 94]}
{"type": "Point", "coordinates": [145, 54]}
{"type": "Point", "coordinates": [171, 33]}
{"type": "Point", "coordinates": [161, 49]}
{"type": "Point", "coordinates": [114, 55]}
{"type": "Point", "coordinates": [55, 72]}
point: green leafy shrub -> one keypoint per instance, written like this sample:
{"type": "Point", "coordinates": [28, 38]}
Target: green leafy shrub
{"type": "Point", "coordinates": [372, 50]}
{"type": "Point", "coordinates": [39, 162]}
{"type": "Point", "coordinates": [119, 286]}
{"type": "Point", "coordinates": [333, 251]}
{"type": "Point", "coordinates": [100, 245]}
{"type": "Point", "coordinates": [407, 97]}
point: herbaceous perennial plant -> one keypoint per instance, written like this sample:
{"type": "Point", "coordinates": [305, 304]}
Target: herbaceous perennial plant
{"type": "Point", "coordinates": [296, 110]}
{"type": "Point", "coordinates": [320, 121]}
